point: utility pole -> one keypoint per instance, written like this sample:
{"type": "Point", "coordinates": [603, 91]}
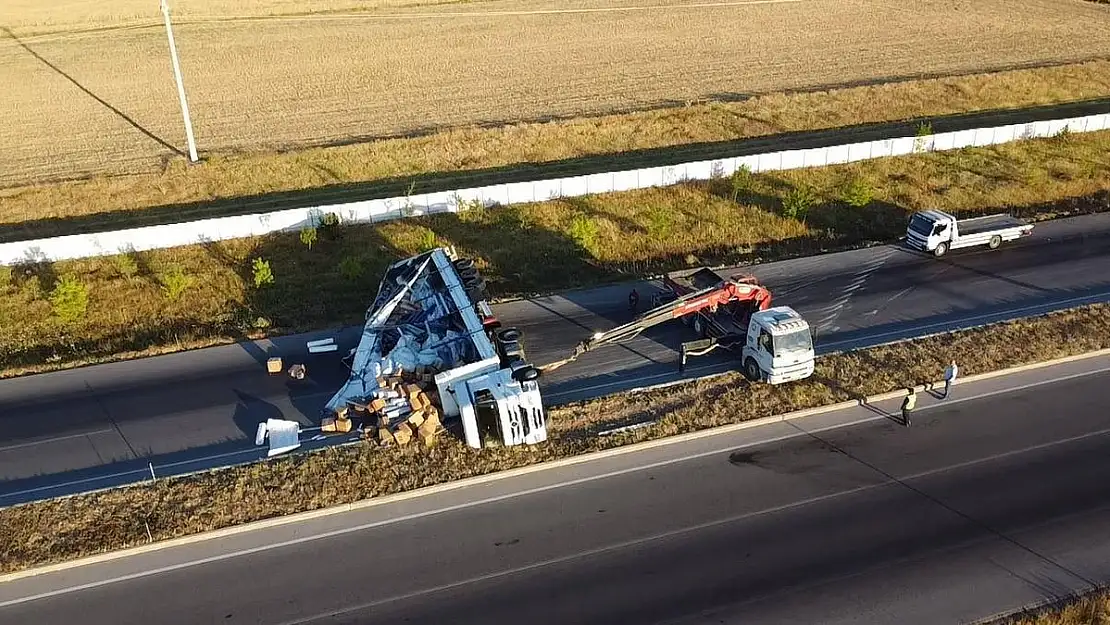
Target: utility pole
{"type": "Point", "coordinates": [180, 85]}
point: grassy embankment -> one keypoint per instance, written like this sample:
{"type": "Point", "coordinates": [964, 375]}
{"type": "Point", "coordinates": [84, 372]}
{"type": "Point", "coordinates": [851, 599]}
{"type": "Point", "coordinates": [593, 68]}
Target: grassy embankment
{"type": "Point", "coordinates": [1089, 609]}
{"type": "Point", "coordinates": [69, 313]}
{"type": "Point", "coordinates": [51, 531]}
{"type": "Point", "coordinates": [476, 156]}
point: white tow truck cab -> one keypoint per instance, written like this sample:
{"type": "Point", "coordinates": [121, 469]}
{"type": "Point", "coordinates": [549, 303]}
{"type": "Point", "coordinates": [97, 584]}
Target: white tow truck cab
{"type": "Point", "coordinates": [431, 313]}
{"type": "Point", "coordinates": [779, 346]}
{"type": "Point", "coordinates": [937, 232]}
{"type": "Point", "coordinates": [775, 344]}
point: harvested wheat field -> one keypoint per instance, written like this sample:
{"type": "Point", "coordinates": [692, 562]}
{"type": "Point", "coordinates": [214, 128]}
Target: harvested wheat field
{"type": "Point", "coordinates": [102, 100]}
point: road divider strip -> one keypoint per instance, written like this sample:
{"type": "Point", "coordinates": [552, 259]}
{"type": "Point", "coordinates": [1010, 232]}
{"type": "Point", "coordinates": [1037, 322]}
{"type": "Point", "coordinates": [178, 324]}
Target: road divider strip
{"type": "Point", "coordinates": [388, 209]}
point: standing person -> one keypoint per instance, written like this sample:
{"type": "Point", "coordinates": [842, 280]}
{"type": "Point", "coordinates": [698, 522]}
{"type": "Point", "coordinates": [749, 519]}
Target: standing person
{"type": "Point", "coordinates": [908, 405]}
{"type": "Point", "coordinates": [949, 377]}
{"type": "Point", "coordinates": [633, 301]}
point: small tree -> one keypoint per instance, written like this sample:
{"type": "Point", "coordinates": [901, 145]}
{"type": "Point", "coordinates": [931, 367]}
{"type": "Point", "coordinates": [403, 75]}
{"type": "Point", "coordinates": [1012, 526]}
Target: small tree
{"type": "Point", "coordinates": [584, 232]}
{"type": "Point", "coordinates": [858, 193]}
{"type": "Point", "coordinates": [175, 281]}
{"type": "Point", "coordinates": [69, 299]}
{"type": "Point", "coordinates": [263, 275]}
{"type": "Point", "coordinates": [797, 203]}
{"type": "Point", "coordinates": [924, 131]}
{"type": "Point", "coordinates": [741, 182]}
{"type": "Point", "coordinates": [309, 236]}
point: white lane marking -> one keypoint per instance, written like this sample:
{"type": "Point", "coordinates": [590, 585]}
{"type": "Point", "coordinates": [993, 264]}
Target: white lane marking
{"type": "Point", "coordinates": [53, 440]}
{"type": "Point", "coordinates": [593, 478]}
{"type": "Point", "coordinates": [672, 533]}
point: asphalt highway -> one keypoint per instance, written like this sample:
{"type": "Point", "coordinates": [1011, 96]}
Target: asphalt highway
{"type": "Point", "coordinates": [992, 499]}
{"type": "Point", "coordinates": [113, 424]}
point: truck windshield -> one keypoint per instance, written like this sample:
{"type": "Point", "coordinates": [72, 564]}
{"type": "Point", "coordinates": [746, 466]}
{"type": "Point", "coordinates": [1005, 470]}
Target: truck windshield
{"type": "Point", "coordinates": [921, 225]}
{"type": "Point", "coordinates": [793, 342]}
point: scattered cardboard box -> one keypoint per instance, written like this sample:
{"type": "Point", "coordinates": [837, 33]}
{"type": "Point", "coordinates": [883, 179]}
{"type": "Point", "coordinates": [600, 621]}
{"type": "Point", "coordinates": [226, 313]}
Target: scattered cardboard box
{"type": "Point", "coordinates": [273, 365]}
{"type": "Point", "coordinates": [403, 434]}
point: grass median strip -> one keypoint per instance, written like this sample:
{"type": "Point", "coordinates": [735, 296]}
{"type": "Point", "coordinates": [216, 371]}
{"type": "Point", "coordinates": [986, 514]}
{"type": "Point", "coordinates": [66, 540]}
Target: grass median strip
{"type": "Point", "coordinates": [335, 174]}
{"type": "Point", "coordinates": [52, 531]}
{"type": "Point", "coordinates": [69, 313]}
{"type": "Point", "coordinates": [1091, 608]}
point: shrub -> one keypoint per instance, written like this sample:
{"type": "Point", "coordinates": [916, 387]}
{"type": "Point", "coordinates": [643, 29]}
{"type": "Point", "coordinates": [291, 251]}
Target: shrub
{"type": "Point", "coordinates": [263, 275]}
{"type": "Point", "coordinates": [583, 231]}
{"type": "Point", "coordinates": [351, 267]}
{"type": "Point", "coordinates": [741, 181]}
{"type": "Point", "coordinates": [309, 236]}
{"type": "Point", "coordinates": [858, 193]}
{"type": "Point", "coordinates": [69, 299]}
{"type": "Point", "coordinates": [175, 281]}
{"type": "Point", "coordinates": [797, 203]}
{"type": "Point", "coordinates": [329, 225]}
{"type": "Point", "coordinates": [428, 240]}
{"type": "Point", "coordinates": [126, 265]}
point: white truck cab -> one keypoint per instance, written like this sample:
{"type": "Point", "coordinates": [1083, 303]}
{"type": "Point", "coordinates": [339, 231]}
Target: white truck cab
{"type": "Point", "coordinates": [937, 232]}
{"type": "Point", "coordinates": [779, 346]}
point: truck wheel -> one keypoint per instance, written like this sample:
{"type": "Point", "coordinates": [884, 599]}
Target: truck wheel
{"type": "Point", "coordinates": [509, 335]}
{"type": "Point", "coordinates": [751, 369]}
{"type": "Point", "coordinates": [526, 374]}
{"type": "Point", "coordinates": [941, 250]}
{"type": "Point", "coordinates": [995, 242]}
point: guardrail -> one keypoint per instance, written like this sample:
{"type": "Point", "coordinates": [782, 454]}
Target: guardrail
{"type": "Point", "coordinates": [387, 209]}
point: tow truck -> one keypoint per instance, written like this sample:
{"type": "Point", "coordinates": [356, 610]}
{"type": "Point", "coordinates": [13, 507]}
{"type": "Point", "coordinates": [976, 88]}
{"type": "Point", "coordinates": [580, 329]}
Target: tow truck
{"type": "Point", "coordinates": [774, 344]}
{"type": "Point", "coordinates": [431, 313]}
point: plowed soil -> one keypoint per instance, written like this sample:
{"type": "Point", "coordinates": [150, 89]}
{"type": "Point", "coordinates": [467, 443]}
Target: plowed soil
{"type": "Point", "coordinates": [88, 87]}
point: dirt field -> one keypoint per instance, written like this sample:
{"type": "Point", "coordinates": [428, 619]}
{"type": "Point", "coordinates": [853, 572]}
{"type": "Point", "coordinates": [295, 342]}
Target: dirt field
{"type": "Point", "coordinates": [102, 101]}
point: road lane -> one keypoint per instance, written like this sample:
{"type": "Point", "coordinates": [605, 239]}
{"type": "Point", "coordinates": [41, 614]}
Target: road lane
{"type": "Point", "coordinates": [984, 504]}
{"type": "Point", "coordinates": [199, 409]}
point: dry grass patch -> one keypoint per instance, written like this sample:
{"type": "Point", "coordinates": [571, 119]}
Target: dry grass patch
{"type": "Point", "coordinates": [280, 86]}
{"type": "Point", "coordinates": [1089, 609]}
{"type": "Point", "coordinates": [194, 296]}
{"type": "Point", "coordinates": [50, 531]}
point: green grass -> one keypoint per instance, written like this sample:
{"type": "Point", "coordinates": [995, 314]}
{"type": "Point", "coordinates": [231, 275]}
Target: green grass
{"type": "Point", "coordinates": [245, 288]}
{"type": "Point", "coordinates": [61, 529]}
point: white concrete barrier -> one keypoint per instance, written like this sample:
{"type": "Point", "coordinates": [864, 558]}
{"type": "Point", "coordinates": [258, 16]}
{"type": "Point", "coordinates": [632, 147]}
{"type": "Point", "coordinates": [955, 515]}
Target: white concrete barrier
{"type": "Point", "coordinates": [370, 211]}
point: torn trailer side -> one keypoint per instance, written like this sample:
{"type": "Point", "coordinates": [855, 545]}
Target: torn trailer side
{"type": "Point", "coordinates": [431, 316]}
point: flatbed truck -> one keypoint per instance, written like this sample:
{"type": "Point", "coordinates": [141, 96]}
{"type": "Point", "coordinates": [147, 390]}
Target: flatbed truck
{"type": "Point", "coordinates": [937, 232]}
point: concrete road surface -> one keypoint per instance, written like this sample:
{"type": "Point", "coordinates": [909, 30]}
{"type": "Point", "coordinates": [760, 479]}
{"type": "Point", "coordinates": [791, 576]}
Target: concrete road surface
{"type": "Point", "coordinates": [113, 424]}
{"type": "Point", "coordinates": [992, 499]}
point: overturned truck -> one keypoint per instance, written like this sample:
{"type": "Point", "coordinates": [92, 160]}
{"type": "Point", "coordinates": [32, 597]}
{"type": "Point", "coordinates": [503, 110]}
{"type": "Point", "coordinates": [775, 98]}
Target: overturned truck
{"type": "Point", "coordinates": [431, 318]}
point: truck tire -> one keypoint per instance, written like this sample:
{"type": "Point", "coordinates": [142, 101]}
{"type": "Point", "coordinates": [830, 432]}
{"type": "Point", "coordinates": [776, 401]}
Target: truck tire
{"type": "Point", "coordinates": [463, 264]}
{"type": "Point", "coordinates": [941, 250]}
{"type": "Point", "coordinates": [751, 370]}
{"type": "Point", "coordinates": [526, 374]}
{"type": "Point", "coordinates": [509, 335]}
{"type": "Point", "coordinates": [995, 242]}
